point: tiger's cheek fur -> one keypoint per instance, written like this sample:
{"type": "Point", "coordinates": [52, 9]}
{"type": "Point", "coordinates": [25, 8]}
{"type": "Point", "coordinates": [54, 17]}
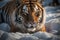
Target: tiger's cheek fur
{"type": "Point", "coordinates": [34, 17]}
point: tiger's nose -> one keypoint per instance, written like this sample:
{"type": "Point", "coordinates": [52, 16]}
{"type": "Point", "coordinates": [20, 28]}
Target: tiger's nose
{"type": "Point", "coordinates": [31, 25]}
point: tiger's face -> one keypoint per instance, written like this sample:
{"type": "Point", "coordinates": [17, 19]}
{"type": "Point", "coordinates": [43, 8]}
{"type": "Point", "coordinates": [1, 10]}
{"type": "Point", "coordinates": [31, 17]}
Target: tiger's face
{"type": "Point", "coordinates": [31, 16]}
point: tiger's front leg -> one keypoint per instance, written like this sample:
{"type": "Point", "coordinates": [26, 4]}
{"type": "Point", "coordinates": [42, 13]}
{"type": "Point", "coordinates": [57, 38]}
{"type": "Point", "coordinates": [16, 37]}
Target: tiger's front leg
{"type": "Point", "coordinates": [43, 29]}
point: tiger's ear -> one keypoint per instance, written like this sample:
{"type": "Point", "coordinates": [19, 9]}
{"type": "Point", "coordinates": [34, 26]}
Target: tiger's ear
{"type": "Point", "coordinates": [24, 1]}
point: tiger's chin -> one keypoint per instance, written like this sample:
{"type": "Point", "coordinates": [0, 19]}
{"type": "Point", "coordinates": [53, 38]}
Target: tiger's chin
{"type": "Point", "coordinates": [31, 29]}
{"type": "Point", "coordinates": [36, 29]}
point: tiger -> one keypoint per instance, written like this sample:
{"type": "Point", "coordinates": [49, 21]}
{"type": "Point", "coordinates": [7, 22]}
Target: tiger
{"type": "Point", "coordinates": [26, 16]}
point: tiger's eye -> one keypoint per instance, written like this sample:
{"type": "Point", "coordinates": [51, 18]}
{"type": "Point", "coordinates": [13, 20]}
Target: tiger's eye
{"type": "Point", "coordinates": [37, 14]}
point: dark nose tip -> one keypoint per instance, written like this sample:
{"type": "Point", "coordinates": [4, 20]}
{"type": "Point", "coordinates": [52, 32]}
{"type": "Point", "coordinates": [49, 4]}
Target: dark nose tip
{"type": "Point", "coordinates": [31, 26]}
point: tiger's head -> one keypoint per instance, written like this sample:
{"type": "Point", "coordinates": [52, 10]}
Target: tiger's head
{"type": "Point", "coordinates": [31, 15]}
{"type": "Point", "coordinates": [27, 17]}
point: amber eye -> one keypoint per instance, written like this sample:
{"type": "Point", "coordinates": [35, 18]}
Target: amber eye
{"type": "Point", "coordinates": [37, 14]}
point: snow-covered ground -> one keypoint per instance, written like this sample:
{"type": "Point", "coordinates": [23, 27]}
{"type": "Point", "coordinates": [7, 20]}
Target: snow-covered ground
{"type": "Point", "coordinates": [52, 12]}
{"type": "Point", "coordinates": [53, 19]}
{"type": "Point", "coordinates": [27, 36]}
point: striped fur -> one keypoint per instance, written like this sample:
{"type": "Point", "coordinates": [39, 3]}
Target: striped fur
{"type": "Point", "coordinates": [14, 14]}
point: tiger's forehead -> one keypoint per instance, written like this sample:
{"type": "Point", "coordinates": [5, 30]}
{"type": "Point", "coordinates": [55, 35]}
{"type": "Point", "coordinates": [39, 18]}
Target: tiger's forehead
{"type": "Point", "coordinates": [27, 7]}
{"type": "Point", "coordinates": [30, 0]}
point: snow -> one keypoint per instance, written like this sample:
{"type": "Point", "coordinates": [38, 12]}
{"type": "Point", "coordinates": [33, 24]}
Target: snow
{"type": "Point", "coordinates": [4, 27]}
{"type": "Point", "coordinates": [53, 19]}
{"type": "Point", "coordinates": [52, 12]}
{"type": "Point", "coordinates": [27, 36]}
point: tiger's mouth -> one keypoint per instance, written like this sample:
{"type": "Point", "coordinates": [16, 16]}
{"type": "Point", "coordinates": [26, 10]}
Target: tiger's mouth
{"type": "Point", "coordinates": [30, 27]}
{"type": "Point", "coordinates": [33, 27]}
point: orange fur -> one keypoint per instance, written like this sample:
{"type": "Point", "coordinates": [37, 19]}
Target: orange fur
{"type": "Point", "coordinates": [34, 17]}
{"type": "Point", "coordinates": [11, 7]}
{"type": "Point", "coordinates": [43, 29]}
